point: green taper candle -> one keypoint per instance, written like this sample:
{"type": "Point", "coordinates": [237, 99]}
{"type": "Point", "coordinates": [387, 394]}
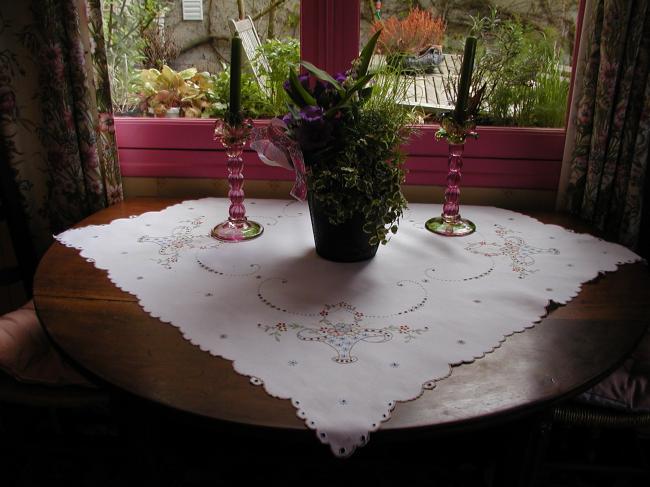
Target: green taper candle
{"type": "Point", "coordinates": [460, 112]}
{"type": "Point", "coordinates": [235, 80]}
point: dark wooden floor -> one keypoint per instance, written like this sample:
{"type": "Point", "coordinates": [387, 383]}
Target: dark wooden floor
{"type": "Point", "coordinates": [133, 443]}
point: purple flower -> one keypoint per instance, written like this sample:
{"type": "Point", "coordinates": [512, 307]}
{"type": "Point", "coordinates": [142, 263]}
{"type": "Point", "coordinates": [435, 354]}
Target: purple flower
{"type": "Point", "coordinates": [304, 81]}
{"type": "Point", "coordinates": [311, 114]}
{"type": "Point", "coordinates": [340, 77]}
{"type": "Point", "coordinates": [287, 119]}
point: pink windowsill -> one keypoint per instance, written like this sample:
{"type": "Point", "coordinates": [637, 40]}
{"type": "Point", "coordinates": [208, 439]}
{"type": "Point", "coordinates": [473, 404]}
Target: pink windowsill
{"type": "Point", "coordinates": [502, 157]}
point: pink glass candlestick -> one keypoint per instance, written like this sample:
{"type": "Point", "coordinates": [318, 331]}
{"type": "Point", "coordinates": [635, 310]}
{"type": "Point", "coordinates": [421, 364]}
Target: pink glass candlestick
{"type": "Point", "coordinates": [237, 227]}
{"type": "Point", "coordinates": [450, 222]}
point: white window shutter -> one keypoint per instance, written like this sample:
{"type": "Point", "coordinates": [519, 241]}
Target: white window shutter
{"type": "Point", "coordinates": [192, 9]}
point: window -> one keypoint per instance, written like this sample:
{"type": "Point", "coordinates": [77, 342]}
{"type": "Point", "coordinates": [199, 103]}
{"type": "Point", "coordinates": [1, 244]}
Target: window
{"type": "Point", "coordinates": [506, 158]}
{"type": "Point", "coordinates": [171, 57]}
{"type": "Point", "coordinates": [523, 56]}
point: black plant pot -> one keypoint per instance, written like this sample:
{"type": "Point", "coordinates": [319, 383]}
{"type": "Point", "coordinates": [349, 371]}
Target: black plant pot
{"type": "Point", "coordinates": [346, 242]}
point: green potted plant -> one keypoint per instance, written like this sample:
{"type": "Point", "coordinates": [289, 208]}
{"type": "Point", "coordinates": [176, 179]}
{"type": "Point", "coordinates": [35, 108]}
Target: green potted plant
{"type": "Point", "coordinates": [520, 69]}
{"type": "Point", "coordinates": [413, 43]}
{"type": "Point", "coordinates": [168, 93]}
{"type": "Point", "coordinates": [346, 131]}
{"type": "Point", "coordinates": [273, 60]}
{"type": "Point", "coordinates": [254, 101]}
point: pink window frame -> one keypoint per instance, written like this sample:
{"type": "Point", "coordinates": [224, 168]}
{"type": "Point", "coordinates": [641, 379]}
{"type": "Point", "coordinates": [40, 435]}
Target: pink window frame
{"type": "Point", "coordinates": [503, 157]}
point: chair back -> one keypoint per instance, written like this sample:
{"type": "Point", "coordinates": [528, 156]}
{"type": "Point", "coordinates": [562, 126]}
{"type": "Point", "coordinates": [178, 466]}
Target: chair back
{"type": "Point", "coordinates": [251, 42]}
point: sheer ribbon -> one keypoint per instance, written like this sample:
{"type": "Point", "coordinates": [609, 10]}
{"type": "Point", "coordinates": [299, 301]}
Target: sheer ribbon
{"type": "Point", "coordinates": [275, 148]}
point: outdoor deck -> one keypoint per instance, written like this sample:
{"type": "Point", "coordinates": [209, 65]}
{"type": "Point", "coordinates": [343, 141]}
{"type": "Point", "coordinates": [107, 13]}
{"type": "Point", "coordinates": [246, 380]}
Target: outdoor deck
{"type": "Point", "coordinates": [427, 90]}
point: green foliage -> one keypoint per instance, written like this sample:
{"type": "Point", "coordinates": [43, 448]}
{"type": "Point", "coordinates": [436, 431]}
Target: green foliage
{"type": "Point", "coordinates": [255, 103]}
{"type": "Point", "coordinates": [363, 171]}
{"type": "Point", "coordinates": [551, 92]}
{"type": "Point", "coordinates": [124, 24]}
{"type": "Point", "coordinates": [165, 89]}
{"type": "Point", "coordinates": [293, 19]}
{"type": "Point", "coordinates": [199, 95]}
{"type": "Point", "coordinates": [282, 56]}
{"type": "Point", "coordinates": [519, 68]}
{"type": "Point", "coordinates": [350, 132]}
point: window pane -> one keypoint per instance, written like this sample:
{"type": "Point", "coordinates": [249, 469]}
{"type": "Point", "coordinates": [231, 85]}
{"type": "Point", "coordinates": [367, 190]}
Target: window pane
{"type": "Point", "coordinates": [192, 38]}
{"type": "Point", "coordinates": [523, 58]}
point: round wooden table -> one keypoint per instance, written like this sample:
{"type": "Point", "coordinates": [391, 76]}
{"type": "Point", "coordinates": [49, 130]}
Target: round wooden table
{"type": "Point", "coordinates": [105, 330]}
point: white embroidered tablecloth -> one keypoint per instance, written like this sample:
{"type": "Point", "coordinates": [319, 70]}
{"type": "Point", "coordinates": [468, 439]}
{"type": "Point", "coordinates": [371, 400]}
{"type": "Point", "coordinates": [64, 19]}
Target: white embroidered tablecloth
{"type": "Point", "coordinates": [344, 341]}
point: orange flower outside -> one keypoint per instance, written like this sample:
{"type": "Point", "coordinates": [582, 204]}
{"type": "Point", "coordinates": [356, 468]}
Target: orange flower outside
{"type": "Point", "coordinates": [412, 35]}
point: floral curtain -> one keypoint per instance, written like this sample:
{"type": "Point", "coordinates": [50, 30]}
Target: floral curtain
{"type": "Point", "coordinates": [56, 121]}
{"type": "Point", "coordinates": [606, 153]}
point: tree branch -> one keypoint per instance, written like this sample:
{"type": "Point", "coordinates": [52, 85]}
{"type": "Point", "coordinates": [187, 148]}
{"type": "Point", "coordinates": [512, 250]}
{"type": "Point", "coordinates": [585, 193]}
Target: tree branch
{"type": "Point", "coordinates": [203, 40]}
{"type": "Point", "coordinates": [270, 30]}
{"type": "Point", "coordinates": [109, 41]}
{"type": "Point", "coordinates": [371, 9]}
{"type": "Point", "coordinates": [268, 9]}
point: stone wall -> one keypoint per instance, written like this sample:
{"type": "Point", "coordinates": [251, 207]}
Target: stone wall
{"type": "Point", "coordinates": [204, 45]}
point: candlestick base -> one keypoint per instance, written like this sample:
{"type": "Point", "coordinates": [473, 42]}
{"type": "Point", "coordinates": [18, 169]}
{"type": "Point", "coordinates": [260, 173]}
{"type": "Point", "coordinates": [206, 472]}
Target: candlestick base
{"type": "Point", "coordinates": [450, 227]}
{"type": "Point", "coordinates": [236, 230]}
